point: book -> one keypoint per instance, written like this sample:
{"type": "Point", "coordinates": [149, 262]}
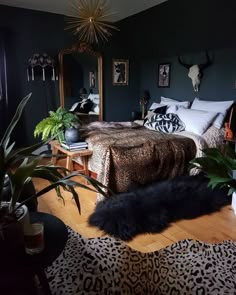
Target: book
{"type": "Point", "coordinates": [74, 145]}
{"type": "Point", "coordinates": [75, 148]}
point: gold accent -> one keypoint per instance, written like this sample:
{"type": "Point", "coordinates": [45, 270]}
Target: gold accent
{"type": "Point", "coordinates": [87, 49]}
{"type": "Point", "coordinates": [88, 20]}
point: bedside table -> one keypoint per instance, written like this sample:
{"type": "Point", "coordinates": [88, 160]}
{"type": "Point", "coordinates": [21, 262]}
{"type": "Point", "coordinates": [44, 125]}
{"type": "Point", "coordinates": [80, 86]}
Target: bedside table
{"type": "Point", "coordinates": [83, 154]}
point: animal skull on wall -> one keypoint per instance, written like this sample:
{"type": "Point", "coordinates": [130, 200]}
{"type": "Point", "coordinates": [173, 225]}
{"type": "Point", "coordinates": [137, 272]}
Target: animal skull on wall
{"type": "Point", "coordinates": [196, 71]}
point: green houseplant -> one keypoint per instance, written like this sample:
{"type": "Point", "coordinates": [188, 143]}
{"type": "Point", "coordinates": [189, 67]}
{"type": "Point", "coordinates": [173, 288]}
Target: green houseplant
{"type": "Point", "coordinates": [21, 165]}
{"type": "Point", "coordinates": [55, 124]}
{"type": "Point", "coordinates": [218, 165]}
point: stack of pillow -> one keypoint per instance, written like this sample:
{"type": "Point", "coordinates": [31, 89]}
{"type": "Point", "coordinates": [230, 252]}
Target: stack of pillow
{"type": "Point", "coordinates": [177, 115]}
{"type": "Point", "coordinates": [88, 105]}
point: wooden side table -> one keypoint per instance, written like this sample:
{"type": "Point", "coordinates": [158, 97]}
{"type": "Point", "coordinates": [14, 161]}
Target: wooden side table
{"type": "Point", "coordinates": [83, 154]}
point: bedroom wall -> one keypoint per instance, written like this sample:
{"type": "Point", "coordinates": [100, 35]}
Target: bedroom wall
{"type": "Point", "coordinates": [29, 32]}
{"type": "Point", "coordinates": [187, 28]}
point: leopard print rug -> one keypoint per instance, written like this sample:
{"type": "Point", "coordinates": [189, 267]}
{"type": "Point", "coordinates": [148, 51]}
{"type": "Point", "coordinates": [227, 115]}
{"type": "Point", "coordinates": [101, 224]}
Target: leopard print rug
{"type": "Point", "coordinates": [107, 266]}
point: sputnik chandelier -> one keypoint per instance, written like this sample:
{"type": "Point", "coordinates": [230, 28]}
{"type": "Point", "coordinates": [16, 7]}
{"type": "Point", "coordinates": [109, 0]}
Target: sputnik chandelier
{"type": "Point", "coordinates": [88, 20]}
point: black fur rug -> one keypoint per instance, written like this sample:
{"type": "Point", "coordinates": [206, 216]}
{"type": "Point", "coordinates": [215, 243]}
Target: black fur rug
{"type": "Point", "coordinates": [152, 208]}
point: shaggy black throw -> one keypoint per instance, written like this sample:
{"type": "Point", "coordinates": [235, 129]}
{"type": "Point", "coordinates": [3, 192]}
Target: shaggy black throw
{"type": "Point", "coordinates": [150, 209]}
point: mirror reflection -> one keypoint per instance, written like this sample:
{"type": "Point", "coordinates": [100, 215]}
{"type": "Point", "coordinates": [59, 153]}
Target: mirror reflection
{"type": "Point", "coordinates": [81, 82]}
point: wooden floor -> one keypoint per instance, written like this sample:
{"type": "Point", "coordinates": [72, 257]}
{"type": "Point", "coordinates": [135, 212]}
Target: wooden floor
{"type": "Point", "coordinates": [212, 228]}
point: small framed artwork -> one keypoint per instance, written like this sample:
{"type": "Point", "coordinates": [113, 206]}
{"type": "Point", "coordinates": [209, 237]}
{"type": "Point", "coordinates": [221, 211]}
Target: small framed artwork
{"type": "Point", "coordinates": [164, 75]}
{"type": "Point", "coordinates": [120, 72]}
{"type": "Point", "coordinates": [92, 79]}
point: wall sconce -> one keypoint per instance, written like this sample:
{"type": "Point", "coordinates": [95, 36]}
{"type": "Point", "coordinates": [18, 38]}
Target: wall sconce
{"type": "Point", "coordinates": [41, 64]}
{"type": "Point", "coordinates": [143, 102]}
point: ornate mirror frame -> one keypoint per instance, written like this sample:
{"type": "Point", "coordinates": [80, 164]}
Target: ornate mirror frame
{"type": "Point", "coordinates": [81, 47]}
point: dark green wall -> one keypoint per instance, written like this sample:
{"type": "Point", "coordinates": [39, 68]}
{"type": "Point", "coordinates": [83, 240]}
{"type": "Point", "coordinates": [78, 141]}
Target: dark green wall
{"type": "Point", "coordinates": [30, 32]}
{"type": "Point", "coordinates": [160, 34]}
{"type": "Point", "coordinates": [187, 28]}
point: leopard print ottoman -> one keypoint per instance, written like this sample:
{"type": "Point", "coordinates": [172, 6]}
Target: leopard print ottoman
{"type": "Point", "coordinates": [107, 266]}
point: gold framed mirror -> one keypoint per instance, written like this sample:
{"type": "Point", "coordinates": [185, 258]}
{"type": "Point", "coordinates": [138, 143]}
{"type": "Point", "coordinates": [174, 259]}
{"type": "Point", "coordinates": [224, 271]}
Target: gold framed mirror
{"type": "Point", "coordinates": [80, 81]}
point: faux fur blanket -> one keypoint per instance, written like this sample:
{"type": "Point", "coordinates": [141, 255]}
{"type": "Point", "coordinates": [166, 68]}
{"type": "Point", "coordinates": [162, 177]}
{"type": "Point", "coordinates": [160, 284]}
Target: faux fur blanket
{"type": "Point", "coordinates": [152, 208]}
{"type": "Point", "coordinates": [107, 266]}
{"type": "Point", "coordinates": [126, 154]}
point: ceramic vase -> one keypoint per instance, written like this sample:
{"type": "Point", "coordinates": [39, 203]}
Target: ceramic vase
{"type": "Point", "coordinates": [72, 135]}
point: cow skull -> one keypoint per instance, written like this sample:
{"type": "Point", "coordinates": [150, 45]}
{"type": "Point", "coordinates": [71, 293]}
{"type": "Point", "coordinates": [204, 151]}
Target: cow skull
{"type": "Point", "coordinates": [196, 71]}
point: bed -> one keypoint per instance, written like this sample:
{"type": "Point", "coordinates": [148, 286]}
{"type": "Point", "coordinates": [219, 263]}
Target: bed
{"type": "Point", "coordinates": [126, 154]}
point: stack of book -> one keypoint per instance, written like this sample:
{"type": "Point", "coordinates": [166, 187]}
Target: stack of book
{"type": "Point", "coordinates": [75, 146]}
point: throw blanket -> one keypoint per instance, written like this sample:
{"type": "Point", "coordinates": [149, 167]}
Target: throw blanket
{"type": "Point", "coordinates": [108, 266]}
{"type": "Point", "coordinates": [125, 154]}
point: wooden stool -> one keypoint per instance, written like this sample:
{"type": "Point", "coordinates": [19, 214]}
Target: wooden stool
{"type": "Point", "coordinates": [83, 154]}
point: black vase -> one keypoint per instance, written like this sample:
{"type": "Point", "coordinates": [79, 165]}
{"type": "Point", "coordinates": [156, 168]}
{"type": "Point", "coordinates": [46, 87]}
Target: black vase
{"type": "Point", "coordinates": [71, 135]}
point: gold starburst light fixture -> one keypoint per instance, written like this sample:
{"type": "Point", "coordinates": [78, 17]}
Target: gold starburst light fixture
{"type": "Point", "coordinates": [88, 20]}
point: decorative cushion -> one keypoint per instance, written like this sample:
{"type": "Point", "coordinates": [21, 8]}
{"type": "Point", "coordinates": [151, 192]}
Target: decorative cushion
{"type": "Point", "coordinates": [168, 123]}
{"type": "Point", "coordinates": [219, 107]}
{"type": "Point", "coordinates": [196, 121]}
{"type": "Point", "coordinates": [84, 106]}
{"type": "Point", "coordinates": [170, 101]}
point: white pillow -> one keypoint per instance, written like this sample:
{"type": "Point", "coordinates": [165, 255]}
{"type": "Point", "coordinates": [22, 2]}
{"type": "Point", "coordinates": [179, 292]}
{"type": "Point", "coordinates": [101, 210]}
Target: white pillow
{"type": "Point", "coordinates": [155, 105]}
{"type": "Point", "coordinates": [94, 98]}
{"type": "Point", "coordinates": [219, 107]}
{"type": "Point", "coordinates": [173, 108]}
{"type": "Point", "coordinates": [170, 101]}
{"type": "Point", "coordinates": [196, 121]}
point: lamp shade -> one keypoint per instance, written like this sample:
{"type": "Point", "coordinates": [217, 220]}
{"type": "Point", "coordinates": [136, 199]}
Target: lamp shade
{"type": "Point", "coordinates": [43, 65]}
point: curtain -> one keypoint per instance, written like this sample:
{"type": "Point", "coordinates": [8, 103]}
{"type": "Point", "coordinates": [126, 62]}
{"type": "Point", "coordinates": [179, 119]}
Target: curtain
{"type": "Point", "coordinates": [3, 86]}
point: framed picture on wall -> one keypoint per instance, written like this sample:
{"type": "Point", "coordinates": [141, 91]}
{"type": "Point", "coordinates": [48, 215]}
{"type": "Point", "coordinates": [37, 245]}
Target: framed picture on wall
{"type": "Point", "coordinates": [92, 79]}
{"type": "Point", "coordinates": [164, 75]}
{"type": "Point", "coordinates": [120, 72]}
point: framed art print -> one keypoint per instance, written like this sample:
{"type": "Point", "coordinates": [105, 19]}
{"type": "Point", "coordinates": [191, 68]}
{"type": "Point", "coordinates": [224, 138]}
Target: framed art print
{"type": "Point", "coordinates": [120, 72]}
{"type": "Point", "coordinates": [164, 75]}
{"type": "Point", "coordinates": [92, 79]}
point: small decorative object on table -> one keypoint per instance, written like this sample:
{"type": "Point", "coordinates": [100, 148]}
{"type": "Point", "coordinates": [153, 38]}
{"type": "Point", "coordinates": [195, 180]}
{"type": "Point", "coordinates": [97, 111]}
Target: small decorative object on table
{"type": "Point", "coordinates": [143, 102]}
{"type": "Point", "coordinates": [71, 135]}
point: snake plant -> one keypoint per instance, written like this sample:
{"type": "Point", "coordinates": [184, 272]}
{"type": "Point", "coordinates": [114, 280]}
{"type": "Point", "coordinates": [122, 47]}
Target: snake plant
{"type": "Point", "coordinates": [21, 166]}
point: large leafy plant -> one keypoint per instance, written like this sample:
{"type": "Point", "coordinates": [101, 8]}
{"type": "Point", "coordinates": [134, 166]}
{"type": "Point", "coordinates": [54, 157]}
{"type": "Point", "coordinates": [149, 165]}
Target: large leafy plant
{"type": "Point", "coordinates": [218, 165]}
{"type": "Point", "coordinates": [55, 124]}
{"type": "Point", "coordinates": [21, 165]}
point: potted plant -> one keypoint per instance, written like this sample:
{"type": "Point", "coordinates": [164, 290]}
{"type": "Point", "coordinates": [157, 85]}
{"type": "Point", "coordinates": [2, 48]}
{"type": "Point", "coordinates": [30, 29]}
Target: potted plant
{"type": "Point", "coordinates": [20, 165]}
{"type": "Point", "coordinates": [218, 165]}
{"type": "Point", "coordinates": [56, 124]}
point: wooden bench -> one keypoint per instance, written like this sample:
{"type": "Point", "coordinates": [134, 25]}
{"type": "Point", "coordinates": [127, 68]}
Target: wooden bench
{"type": "Point", "coordinates": [83, 154]}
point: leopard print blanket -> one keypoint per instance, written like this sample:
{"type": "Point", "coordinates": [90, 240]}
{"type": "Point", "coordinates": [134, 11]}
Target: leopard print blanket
{"type": "Point", "coordinates": [108, 266]}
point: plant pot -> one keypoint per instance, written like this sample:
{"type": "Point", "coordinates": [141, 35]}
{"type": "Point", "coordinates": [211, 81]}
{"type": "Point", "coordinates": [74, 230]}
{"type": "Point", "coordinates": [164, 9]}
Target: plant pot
{"type": "Point", "coordinates": [72, 135]}
{"type": "Point", "coordinates": [233, 204]}
{"type": "Point", "coordinates": [22, 215]}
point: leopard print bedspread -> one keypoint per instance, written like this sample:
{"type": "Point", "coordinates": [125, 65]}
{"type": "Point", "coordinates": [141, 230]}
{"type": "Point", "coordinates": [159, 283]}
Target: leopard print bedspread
{"type": "Point", "coordinates": [107, 266]}
{"type": "Point", "coordinates": [126, 155]}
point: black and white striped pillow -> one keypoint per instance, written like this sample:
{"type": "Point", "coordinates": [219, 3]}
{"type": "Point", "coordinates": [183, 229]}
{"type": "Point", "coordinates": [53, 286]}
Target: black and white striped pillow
{"type": "Point", "coordinates": [167, 123]}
